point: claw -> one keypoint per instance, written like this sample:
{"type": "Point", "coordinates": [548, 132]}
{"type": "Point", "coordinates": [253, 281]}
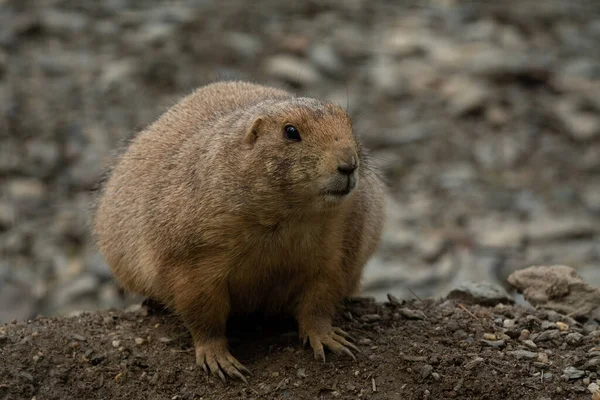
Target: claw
{"type": "Point", "coordinates": [334, 341]}
{"type": "Point", "coordinates": [216, 359]}
{"type": "Point", "coordinates": [344, 334]}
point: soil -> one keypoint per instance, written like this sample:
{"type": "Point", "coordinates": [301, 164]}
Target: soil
{"type": "Point", "coordinates": [438, 353]}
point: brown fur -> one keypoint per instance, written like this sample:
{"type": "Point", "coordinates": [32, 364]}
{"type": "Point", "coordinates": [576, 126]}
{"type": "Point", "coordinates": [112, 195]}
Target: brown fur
{"type": "Point", "coordinates": [212, 211]}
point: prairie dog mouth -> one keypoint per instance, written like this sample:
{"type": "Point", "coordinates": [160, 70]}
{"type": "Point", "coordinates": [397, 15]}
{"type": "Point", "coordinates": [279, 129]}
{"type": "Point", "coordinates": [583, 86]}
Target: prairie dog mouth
{"type": "Point", "coordinates": [340, 187]}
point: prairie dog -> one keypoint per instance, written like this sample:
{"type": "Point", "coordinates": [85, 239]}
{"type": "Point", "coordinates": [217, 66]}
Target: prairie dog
{"type": "Point", "coordinates": [243, 198]}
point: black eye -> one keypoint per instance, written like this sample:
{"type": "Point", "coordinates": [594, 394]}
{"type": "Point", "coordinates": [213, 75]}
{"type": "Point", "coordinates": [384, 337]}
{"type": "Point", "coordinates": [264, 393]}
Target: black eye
{"type": "Point", "coordinates": [291, 133]}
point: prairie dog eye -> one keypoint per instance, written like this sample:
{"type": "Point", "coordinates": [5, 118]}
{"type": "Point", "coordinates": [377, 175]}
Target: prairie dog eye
{"type": "Point", "coordinates": [291, 133]}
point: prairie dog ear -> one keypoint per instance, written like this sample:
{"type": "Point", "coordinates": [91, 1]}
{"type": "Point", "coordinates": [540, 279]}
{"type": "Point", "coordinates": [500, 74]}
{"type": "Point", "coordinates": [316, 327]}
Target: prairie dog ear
{"type": "Point", "coordinates": [255, 131]}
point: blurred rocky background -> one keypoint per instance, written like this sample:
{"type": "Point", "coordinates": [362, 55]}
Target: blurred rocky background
{"type": "Point", "coordinates": [484, 117]}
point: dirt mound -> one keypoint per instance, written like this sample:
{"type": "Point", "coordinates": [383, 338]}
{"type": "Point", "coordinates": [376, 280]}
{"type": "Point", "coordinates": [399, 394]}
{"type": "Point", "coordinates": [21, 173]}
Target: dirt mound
{"type": "Point", "coordinates": [430, 349]}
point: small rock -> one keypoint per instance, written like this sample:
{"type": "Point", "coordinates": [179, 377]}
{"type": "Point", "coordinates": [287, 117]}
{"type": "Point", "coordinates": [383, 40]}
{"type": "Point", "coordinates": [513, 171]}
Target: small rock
{"type": "Point", "coordinates": [530, 344]}
{"type": "Point", "coordinates": [292, 69]}
{"type": "Point", "coordinates": [460, 335]}
{"type": "Point", "coordinates": [574, 338]}
{"type": "Point", "coordinates": [245, 45]}
{"type": "Point", "coordinates": [25, 189]}
{"type": "Point", "coordinates": [509, 323]}
{"type": "Point", "coordinates": [593, 388]}
{"type": "Point", "coordinates": [581, 125]}
{"type": "Point", "coordinates": [543, 358]}
{"type": "Point", "coordinates": [426, 371]}
{"type": "Point", "coordinates": [78, 337]}
{"type": "Point", "coordinates": [364, 342]}
{"type": "Point", "coordinates": [474, 363]}
{"type": "Point", "coordinates": [371, 317]}
{"type": "Point", "coordinates": [523, 354]}
{"type": "Point", "coordinates": [412, 314]}
{"type": "Point", "coordinates": [571, 373]}
{"type": "Point", "coordinates": [593, 363]}
{"type": "Point", "coordinates": [326, 59]}
{"type": "Point", "coordinates": [548, 335]}
{"type": "Point", "coordinates": [301, 373]}
{"type": "Point", "coordinates": [63, 22]}
{"type": "Point", "coordinates": [458, 385]}
{"type": "Point", "coordinates": [26, 375]}
{"type": "Point", "coordinates": [546, 325]}
{"type": "Point", "coordinates": [483, 293]}
{"type": "Point", "coordinates": [466, 96]}
{"type": "Point", "coordinates": [453, 325]}
{"type": "Point", "coordinates": [384, 75]}
{"type": "Point", "coordinates": [525, 334]}
{"type": "Point", "coordinates": [562, 326]}
{"type": "Point", "coordinates": [489, 336]}
{"type": "Point", "coordinates": [139, 341]}
{"type": "Point", "coordinates": [116, 343]}
{"type": "Point", "coordinates": [496, 344]}
{"type": "Point", "coordinates": [165, 340]}
{"type": "Point", "coordinates": [435, 376]}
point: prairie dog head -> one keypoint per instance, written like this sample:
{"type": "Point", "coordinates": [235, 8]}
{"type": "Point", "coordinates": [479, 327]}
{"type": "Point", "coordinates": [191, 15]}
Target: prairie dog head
{"type": "Point", "coordinates": [306, 150]}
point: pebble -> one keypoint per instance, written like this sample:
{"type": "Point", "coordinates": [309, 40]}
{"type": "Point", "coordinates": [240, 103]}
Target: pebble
{"type": "Point", "coordinates": [466, 96]}
{"type": "Point", "coordinates": [78, 337]}
{"type": "Point", "coordinates": [497, 343]}
{"type": "Point", "coordinates": [25, 189]}
{"type": "Point", "coordinates": [548, 335]}
{"type": "Point", "coordinates": [482, 293]}
{"type": "Point", "coordinates": [384, 75]}
{"type": "Point", "coordinates": [593, 388]}
{"type": "Point", "coordinates": [509, 323]}
{"type": "Point", "coordinates": [548, 325]}
{"type": "Point", "coordinates": [530, 344]}
{"type": "Point", "coordinates": [581, 125]}
{"type": "Point", "coordinates": [326, 59]}
{"type": "Point", "coordinates": [116, 343]}
{"type": "Point", "coordinates": [571, 373]}
{"type": "Point", "coordinates": [63, 22]}
{"type": "Point", "coordinates": [245, 45]}
{"type": "Point", "coordinates": [593, 363]}
{"type": "Point", "coordinates": [574, 338]}
{"type": "Point", "coordinates": [292, 69]}
{"type": "Point", "coordinates": [460, 335]}
{"type": "Point", "coordinates": [453, 325]}
{"type": "Point", "coordinates": [474, 363]}
{"type": "Point", "coordinates": [436, 376]}
{"type": "Point", "coordinates": [365, 342]}
{"type": "Point", "coordinates": [426, 371]}
{"type": "Point", "coordinates": [525, 334]}
{"type": "Point", "coordinates": [562, 326]}
{"type": "Point", "coordinates": [489, 336]}
{"type": "Point", "coordinates": [523, 354]}
{"type": "Point", "coordinates": [371, 317]}
{"type": "Point", "coordinates": [139, 341]}
{"type": "Point", "coordinates": [301, 373]}
{"type": "Point", "coordinates": [412, 314]}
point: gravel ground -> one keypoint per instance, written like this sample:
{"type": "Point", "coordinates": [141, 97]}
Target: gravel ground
{"type": "Point", "coordinates": [483, 116]}
{"type": "Point", "coordinates": [409, 350]}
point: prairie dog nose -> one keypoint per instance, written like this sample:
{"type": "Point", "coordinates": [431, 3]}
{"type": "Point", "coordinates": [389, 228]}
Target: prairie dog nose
{"type": "Point", "coordinates": [347, 166]}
